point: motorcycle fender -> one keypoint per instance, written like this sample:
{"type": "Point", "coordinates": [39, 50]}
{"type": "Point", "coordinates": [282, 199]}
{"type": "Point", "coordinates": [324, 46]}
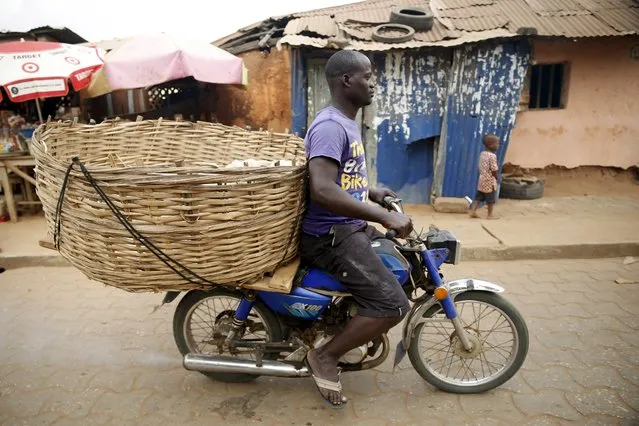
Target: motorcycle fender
{"type": "Point", "coordinates": [416, 315]}
{"type": "Point", "coordinates": [170, 296]}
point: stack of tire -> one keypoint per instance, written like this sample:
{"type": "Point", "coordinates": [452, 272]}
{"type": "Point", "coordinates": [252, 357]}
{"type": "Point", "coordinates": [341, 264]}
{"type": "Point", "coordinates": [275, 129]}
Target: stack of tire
{"type": "Point", "coordinates": [405, 20]}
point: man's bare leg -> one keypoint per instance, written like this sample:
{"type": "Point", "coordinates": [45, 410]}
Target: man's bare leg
{"type": "Point", "coordinates": [360, 330]}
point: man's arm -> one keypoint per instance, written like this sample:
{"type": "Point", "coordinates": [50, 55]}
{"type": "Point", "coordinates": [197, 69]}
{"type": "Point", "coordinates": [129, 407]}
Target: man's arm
{"type": "Point", "coordinates": [327, 194]}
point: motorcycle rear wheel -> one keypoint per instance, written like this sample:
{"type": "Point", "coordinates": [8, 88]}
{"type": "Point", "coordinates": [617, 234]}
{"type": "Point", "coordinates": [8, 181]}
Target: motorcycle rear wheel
{"type": "Point", "coordinates": [200, 313]}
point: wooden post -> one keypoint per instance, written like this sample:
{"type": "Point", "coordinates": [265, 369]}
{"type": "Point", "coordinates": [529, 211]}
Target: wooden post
{"type": "Point", "coordinates": [8, 193]}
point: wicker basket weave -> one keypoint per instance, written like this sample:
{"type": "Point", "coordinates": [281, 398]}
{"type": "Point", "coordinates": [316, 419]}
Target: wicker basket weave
{"type": "Point", "coordinates": [170, 181]}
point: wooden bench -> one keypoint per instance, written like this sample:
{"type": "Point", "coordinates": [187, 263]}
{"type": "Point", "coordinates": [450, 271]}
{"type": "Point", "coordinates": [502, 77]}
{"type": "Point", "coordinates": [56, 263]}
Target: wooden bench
{"type": "Point", "coordinates": [13, 164]}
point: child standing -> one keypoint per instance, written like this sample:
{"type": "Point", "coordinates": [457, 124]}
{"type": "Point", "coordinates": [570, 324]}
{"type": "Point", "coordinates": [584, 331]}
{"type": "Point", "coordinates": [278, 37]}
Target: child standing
{"type": "Point", "coordinates": [488, 173]}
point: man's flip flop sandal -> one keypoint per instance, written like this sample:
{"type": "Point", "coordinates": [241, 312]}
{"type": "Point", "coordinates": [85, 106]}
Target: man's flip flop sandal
{"type": "Point", "coordinates": [324, 386]}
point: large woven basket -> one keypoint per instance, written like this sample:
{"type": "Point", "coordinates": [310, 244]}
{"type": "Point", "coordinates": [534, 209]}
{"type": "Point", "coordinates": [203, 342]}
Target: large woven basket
{"type": "Point", "coordinates": [172, 182]}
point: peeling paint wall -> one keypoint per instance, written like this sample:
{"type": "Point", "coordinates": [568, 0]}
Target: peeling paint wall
{"type": "Point", "coordinates": [600, 123]}
{"type": "Point", "coordinates": [406, 115]}
{"type": "Point", "coordinates": [266, 101]}
{"type": "Point", "coordinates": [483, 95]}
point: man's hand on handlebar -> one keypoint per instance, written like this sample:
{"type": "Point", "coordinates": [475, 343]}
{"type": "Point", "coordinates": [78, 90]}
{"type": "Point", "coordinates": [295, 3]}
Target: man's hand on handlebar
{"type": "Point", "coordinates": [377, 195]}
{"type": "Point", "coordinates": [398, 224]}
{"type": "Point", "coordinates": [401, 224]}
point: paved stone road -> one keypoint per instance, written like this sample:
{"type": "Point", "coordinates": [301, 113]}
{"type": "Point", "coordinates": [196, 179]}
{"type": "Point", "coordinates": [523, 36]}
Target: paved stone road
{"type": "Point", "coordinates": [73, 352]}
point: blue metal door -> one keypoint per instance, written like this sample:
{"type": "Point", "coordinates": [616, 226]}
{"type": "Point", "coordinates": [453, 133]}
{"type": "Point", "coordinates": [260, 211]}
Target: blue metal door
{"type": "Point", "coordinates": [483, 95]}
{"type": "Point", "coordinates": [411, 91]}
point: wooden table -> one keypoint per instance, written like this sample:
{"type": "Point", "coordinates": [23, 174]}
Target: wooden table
{"type": "Point", "coordinates": [13, 164]}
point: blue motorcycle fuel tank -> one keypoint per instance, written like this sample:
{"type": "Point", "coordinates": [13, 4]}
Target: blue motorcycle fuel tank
{"type": "Point", "coordinates": [393, 259]}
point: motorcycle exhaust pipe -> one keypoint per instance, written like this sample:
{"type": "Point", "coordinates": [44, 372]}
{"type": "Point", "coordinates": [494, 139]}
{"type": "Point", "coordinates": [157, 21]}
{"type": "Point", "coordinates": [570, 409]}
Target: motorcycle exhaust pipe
{"type": "Point", "coordinates": [233, 365]}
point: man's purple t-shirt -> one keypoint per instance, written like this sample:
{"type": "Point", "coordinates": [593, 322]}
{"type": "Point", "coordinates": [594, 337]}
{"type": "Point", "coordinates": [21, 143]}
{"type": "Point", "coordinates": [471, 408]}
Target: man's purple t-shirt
{"type": "Point", "coordinates": [335, 136]}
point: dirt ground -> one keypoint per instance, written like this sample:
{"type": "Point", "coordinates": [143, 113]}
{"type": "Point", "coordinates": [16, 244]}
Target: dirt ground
{"type": "Point", "coordinates": [586, 181]}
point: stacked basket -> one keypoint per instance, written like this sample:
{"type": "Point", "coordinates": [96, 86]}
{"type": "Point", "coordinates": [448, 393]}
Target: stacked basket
{"type": "Point", "coordinates": [178, 186]}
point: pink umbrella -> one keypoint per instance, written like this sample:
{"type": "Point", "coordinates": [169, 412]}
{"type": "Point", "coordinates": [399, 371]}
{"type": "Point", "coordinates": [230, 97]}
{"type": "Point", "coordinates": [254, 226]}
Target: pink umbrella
{"type": "Point", "coordinates": [149, 60]}
{"type": "Point", "coordinates": [38, 69]}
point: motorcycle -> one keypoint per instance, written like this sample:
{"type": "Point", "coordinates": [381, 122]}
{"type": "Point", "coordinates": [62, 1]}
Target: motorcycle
{"type": "Point", "coordinates": [461, 336]}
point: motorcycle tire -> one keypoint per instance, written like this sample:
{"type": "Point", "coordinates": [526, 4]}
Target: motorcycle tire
{"type": "Point", "coordinates": [500, 304]}
{"type": "Point", "coordinates": [421, 19]}
{"type": "Point", "coordinates": [193, 298]}
{"type": "Point", "coordinates": [518, 189]}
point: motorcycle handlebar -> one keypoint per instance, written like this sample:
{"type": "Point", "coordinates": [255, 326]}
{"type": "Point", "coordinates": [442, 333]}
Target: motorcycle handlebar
{"type": "Point", "coordinates": [392, 203]}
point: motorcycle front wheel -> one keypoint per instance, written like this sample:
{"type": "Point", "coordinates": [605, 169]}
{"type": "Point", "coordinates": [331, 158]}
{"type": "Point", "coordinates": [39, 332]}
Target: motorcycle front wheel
{"type": "Point", "coordinates": [203, 319]}
{"type": "Point", "coordinates": [500, 344]}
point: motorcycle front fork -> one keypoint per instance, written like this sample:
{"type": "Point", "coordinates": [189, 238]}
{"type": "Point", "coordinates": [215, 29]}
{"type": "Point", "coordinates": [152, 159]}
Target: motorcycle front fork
{"type": "Point", "coordinates": [433, 259]}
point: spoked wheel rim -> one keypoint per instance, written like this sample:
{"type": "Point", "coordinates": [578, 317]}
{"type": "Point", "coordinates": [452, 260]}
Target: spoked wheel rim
{"type": "Point", "coordinates": [208, 321]}
{"type": "Point", "coordinates": [492, 332]}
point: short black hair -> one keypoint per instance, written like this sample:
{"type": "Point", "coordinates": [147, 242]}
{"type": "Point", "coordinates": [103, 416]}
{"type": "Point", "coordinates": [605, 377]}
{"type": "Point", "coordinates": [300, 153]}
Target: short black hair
{"type": "Point", "coordinates": [344, 62]}
{"type": "Point", "coordinates": [490, 137]}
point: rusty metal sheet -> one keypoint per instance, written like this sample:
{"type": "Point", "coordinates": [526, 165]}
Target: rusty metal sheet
{"type": "Point", "coordinates": [480, 23]}
{"type": "Point", "coordinates": [557, 7]}
{"type": "Point", "coordinates": [623, 20]}
{"type": "Point", "coordinates": [322, 25]}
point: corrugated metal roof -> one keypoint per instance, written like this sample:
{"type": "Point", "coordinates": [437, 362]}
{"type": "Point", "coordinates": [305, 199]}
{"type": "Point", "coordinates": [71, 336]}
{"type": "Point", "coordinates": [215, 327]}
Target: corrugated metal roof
{"type": "Point", "coordinates": [322, 25]}
{"type": "Point", "coordinates": [624, 20]}
{"type": "Point", "coordinates": [470, 37]}
{"type": "Point", "coordinates": [458, 4]}
{"type": "Point", "coordinates": [436, 33]}
{"type": "Point", "coordinates": [577, 26]}
{"type": "Point", "coordinates": [470, 12]}
{"type": "Point", "coordinates": [567, 26]}
{"type": "Point", "coordinates": [480, 23]}
{"type": "Point", "coordinates": [617, 4]}
{"type": "Point", "coordinates": [557, 7]}
{"type": "Point", "coordinates": [361, 32]}
{"type": "Point", "coordinates": [464, 19]}
{"type": "Point", "coordinates": [368, 16]}
{"type": "Point", "coordinates": [594, 5]}
{"type": "Point", "coordinates": [345, 8]}
{"type": "Point", "coordinates": [300, 40]}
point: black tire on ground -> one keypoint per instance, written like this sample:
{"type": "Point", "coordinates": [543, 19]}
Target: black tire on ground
{"type": "Point", "coordinates": [517, 189]}
{"type": "Point", "coordinates": [522, 348]}
{"type": "Point", "coordinates": [419, 18]}
{"type": "Point", "coordinates": [378, 36]}
{"type": "Point", "coordinates": [194, 297]}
